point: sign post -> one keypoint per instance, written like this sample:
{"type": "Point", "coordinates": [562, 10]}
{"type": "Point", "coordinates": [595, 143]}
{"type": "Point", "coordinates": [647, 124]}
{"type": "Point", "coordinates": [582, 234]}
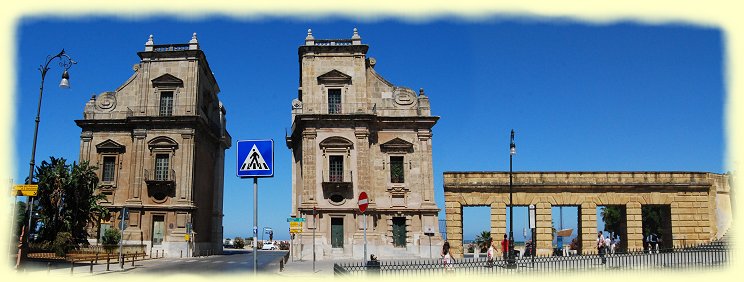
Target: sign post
{"type": "Point", "coordinates": [255, 159]}
{"type": "Point", "coordinates": [532, 233]}
{"type": "Point", "coordinates": [429, 232]}
{"type": "Point", "coordinates": [363, 203]}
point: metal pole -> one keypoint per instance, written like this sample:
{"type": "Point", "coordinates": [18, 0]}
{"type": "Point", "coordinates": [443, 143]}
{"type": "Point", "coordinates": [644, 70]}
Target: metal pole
{"type": "Point", "coordinates": [315, 226]}
{"type": "Point", "coordinates": [511, 260]}
{"type": "Point", "coordinates": [121, 240]}
{"type": "Point", "coordinates": [365, 239]}
{"type": "Point", "coordinates": [255, 223]}
{"type": "Point", "coordinates": [430, 255]}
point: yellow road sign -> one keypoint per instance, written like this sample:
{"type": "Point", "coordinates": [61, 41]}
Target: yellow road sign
{"type": "Point", "coordinates": [295, 227]}
{"type": "Point", "coordinates": [26, 189]}
{"type": "Point", "coordinates": [186, 237]}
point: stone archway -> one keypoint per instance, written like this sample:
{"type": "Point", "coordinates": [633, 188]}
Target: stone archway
{"type": "Point", "coordinates": [691, 197]}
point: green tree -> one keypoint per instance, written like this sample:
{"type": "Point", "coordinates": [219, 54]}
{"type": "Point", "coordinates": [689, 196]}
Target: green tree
{"type": "Point", "coordinates": [110, 239]}
{"type": "Point", "coordinates": [612, 217]}
{"type": "Point", "coordinates": [482, 240]}
{"type": "Point", "coordinates": [238, 242]}
{"type": "Point", "coordinates": [67, 200]}
{"type": "Point", "coordinates": [651, 217]}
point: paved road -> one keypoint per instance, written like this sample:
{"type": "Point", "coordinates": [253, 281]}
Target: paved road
{"type": "Point", "coordinates": [233, 261]}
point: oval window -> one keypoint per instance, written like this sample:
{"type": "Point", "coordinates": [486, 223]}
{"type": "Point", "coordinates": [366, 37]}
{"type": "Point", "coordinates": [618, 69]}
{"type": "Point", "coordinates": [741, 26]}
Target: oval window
{"type": "Point", "coordinates": [336, 198]}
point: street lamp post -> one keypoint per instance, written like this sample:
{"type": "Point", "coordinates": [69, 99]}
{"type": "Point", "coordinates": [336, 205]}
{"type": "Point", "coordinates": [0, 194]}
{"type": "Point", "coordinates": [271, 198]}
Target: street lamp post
{"type": "Point", "coordinates": [511, 260]}
{"type": "Point", "coordinates": [65, 62]}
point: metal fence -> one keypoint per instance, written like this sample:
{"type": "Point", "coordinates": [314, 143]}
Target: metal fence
{"type": "Point", "coordinates": [688, 257]}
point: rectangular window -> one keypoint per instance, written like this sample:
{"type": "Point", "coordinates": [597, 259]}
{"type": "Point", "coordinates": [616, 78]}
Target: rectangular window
{"type": "Point", "coordinates": [166, 103]}
{"type": "Point", "coordinates": [334, 101]}
{"type": "Point", "coordinates": [161, 167]}
{"type": "Point", "coordinates": [396, 169]}
{"type": "Point", "coordinates": [109, 165]}
{"type": "Point", "coordinates": [336, 169]}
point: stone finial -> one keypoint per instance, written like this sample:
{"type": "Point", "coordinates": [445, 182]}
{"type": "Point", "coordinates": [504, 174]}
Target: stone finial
{"type": "Point", "coordinates": [149, 44]}
{"type": "Point", "coordinates": [356, 39]}
{"type": "Point", "coordinates": [309, 40]}
{"type": "Point", "coordinates": [193, 43]}
{"type": "Point", "coordinates": [421, 92]}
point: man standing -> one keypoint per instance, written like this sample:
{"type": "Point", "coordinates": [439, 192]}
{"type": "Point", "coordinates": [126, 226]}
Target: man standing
{"type": "Point", "coordinates": [600, 246]}
{"type": "Point", "coordinates": [505, 246]}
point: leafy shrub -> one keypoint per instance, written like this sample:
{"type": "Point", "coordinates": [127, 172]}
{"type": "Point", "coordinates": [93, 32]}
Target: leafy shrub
{"type": "Point", "coordinates": [111, 239]}
{"type": "Point", "coordinates": [63, 243]}
{"type": "Point", "coordinates": [238, 242]}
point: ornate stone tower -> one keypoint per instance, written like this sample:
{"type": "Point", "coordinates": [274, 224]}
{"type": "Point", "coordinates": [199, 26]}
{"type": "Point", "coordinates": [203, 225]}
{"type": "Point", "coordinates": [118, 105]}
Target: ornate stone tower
{"type": "Point", "coordinates": [159, 142]}
{"type": "Point", "coordinates": [354, 131]}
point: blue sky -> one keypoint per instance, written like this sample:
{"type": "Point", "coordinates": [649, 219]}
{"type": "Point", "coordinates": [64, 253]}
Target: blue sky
{"type": "Point", "coordinates": [581, 97]}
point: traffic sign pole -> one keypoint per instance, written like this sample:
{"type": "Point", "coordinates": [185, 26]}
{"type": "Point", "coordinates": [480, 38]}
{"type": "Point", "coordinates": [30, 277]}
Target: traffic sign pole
{"type": "Point", "coordinates": [255, 223]}
{"type": "Point", "coordinates": [363, 202]}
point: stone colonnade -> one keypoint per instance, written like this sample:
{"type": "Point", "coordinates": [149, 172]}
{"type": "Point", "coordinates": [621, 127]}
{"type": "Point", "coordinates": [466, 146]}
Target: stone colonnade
{"type": "Point", "coordinates": [690, 196]}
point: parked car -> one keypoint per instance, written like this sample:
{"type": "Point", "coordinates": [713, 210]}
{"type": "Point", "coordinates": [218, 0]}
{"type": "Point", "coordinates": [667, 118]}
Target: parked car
{"type": "Point", "coordinates": [269, 246]}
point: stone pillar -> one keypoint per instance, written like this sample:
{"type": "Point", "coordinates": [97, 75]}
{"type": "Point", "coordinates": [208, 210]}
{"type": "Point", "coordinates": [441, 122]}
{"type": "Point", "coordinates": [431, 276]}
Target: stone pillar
{"type": "Point", "coordinates": [634, 219]}
{"type": "Point", "coordinates": [453, 210]}
{"type": "Point", "coordinates": [588, 228]}
{"type": "Point", "coordinates": [544, 228]}
{"type": "Point", "coordinates": [308, 163]}
{"type": "Point", "coordinates": [139, 155]}
{"type": "Point", "coordinates": [498, 222]}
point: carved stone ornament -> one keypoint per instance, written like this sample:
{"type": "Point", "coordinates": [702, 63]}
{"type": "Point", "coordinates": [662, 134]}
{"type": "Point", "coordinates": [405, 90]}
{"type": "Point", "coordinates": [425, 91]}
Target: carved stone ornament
{"type": "Point", "coordinates": [296, 104]}
{"type": "Point", "coordinates": [404, 96]}
{"type": "Point", "coordinates": [106, 101]}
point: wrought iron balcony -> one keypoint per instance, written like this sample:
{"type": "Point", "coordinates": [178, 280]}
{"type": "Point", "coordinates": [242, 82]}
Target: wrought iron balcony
{"type": "Point", "coordinates": [160, 176]}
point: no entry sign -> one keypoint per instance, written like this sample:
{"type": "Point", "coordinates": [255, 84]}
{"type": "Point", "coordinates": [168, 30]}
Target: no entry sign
{"type": "Point", "coordinates": [363, 202]}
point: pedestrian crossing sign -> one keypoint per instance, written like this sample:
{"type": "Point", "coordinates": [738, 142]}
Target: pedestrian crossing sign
{"type": "Point", "coordinates": [255, 158]}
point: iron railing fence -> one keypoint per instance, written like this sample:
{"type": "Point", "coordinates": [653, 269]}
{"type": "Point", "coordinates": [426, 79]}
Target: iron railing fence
{"type": "Point", "coordinates": [687, 257]}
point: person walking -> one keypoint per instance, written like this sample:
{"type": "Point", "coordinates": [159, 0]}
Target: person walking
{"type": "Point", "coordinates": [489, 253]}
{"type": "Point", "coordinates": [600, 247]}
{"type": "Point", "coordinates": [607, 244]}
{"type": "Point", "coordinates": [447, 257]}
{"type": "Point", "coordinates": [505, 246]}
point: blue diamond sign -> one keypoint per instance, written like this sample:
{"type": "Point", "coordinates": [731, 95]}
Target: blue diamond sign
{"type": "Point", "coordinates": [255, 158]}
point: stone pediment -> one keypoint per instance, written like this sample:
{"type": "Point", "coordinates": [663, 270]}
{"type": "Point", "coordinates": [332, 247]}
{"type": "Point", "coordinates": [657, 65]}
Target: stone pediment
{"type": "Point", "coordinates": [162, 142]}
{"type": "Point", "coordinates": [397, 145]}
{"type": "Point", "coordinates": [336, 142]}
{"type": "Point", "coordinates": [167, 80]}
{"type": "Point", "coordinates": [110, 146]}
{"type": "Point", "coordinates": [334, 77]}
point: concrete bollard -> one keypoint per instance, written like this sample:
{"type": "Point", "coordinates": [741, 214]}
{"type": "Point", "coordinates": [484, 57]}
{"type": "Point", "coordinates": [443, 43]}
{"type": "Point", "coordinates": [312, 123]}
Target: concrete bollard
{"type": "Point", "coordinates": [91, 266]}
{"type": "Point", "coordinates": [157, 252]}
{"type": "Point", "coordinates": [96, 258]}
{"type": "Point", "coordinates": [108, 262]}
{"type": "Point", "coordinates": [181, 253]}
{"type": "Point", "coordinates": [72, 265]}
{"type": "Point", "coordinates": [134, 258]}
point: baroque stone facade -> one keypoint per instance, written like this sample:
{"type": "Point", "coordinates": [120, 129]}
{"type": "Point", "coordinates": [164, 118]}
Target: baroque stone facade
{"type": "Point", "coordinates": [698, 203]}
{"type": "Point", "coordinates": [158, 141]}
{"type": "Point", "coordinates": [353, 131]}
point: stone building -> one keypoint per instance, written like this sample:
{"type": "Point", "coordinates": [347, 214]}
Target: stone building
{"type": "Point", "coordinates": [353, 131]}
{"type": "Point", "coordinates": [159, 141]}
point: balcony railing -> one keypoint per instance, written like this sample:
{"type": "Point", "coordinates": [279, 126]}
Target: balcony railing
{"type": "Point", "coordinates": [160, 176]}
{"type": "Point", "coordinates": [356, 108]}
{"type": "Point", "coordinates": [332, 42]}
{"type": "Point", "coordinates": [170, 47]}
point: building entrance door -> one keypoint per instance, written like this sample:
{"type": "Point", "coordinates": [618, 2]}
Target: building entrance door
{"type": "Point", "coordinates": [158, 229]}
{"type": "Point", "coordinates": [399, 232]}
{"type": "Point", "coordinates": [337, 232]}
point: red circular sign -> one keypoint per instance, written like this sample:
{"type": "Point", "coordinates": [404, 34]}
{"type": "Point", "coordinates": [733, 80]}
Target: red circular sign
{"type": "Point", "coordinates": [363, 201]}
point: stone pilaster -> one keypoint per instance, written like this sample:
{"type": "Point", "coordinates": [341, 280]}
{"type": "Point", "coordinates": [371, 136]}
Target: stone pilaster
{"type": "Point", "coordinates": [635, 226]}
{"type": "Point", "coordinates": [544, 228]}
{"type": "Point", "coordinates": [427, 169]}
{"type": "Point", "coordinates": [308, 163]}
{"type": "Point", "coordinates": [138, 166]}
{"type": "Point", "coordinates": [588, 228]}
{"type": "Point", "coordinates": [363, 180]}
{"type": "Point", "coordinates": [85, 138]}
{"type": "Point", "coordinates": [183, 186]}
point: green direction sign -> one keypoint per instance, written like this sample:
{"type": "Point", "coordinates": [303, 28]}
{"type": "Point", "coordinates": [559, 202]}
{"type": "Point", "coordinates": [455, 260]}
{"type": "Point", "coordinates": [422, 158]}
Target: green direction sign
{"type": "Point", "coordinates": [295, 219]}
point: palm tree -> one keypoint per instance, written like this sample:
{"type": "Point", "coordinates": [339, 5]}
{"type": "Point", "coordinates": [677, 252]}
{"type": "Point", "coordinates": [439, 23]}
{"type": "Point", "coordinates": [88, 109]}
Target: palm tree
{"type": "Point", "coordinates": [67, 199]}
{"type": "Point", "coordinates": [482, 240]}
